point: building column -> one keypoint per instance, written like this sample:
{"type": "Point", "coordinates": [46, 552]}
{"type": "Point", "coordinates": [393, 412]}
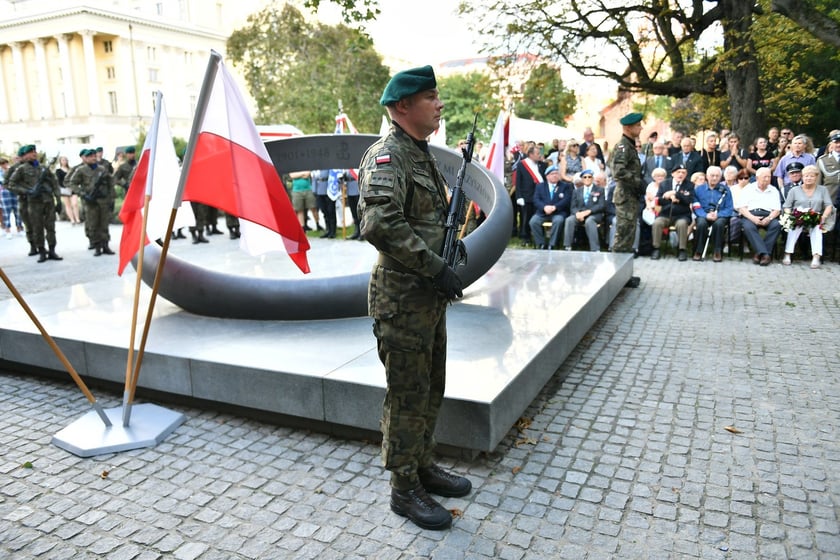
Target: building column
{"type": "Point", "coordinates": [22, 101]}
{"type": "Point", "coordinates": [90, 72]}
{"type": "Point", "coordinates": [4, 107]}
{"type": "Point", "coordinates": [45, 107]}
{"type": "Point", "coordinates": [70, 109]}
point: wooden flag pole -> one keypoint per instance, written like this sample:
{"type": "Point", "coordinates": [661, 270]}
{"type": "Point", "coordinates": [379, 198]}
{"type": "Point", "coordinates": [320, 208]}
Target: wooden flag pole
{"type": "Point", "coordinates": [470, 212]}
{"type": "Point", "coordinates": [127, 392]}
{"type": "Point", "coordinates": [73, 373]}
{"type": "Point", "coordinates": [135, 373]}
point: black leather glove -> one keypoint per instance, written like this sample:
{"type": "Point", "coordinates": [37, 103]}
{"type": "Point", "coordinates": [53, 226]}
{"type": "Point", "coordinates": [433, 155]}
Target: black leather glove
{"type": "Point", "coordinates": [447, 282]}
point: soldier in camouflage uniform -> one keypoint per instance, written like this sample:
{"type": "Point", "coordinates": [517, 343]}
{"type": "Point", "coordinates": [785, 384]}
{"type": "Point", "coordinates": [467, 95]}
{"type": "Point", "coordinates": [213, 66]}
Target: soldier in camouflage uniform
{"type": "Point", "coordinates": [38, 184]}
{"type": "Point", "coordinates": [95, 186]}
{"type": "Point", "coordinates": [627, 170]}
{"type": "Point", "coordinates": [403, 210]}
{"type": "Point", "coordinates": [124, 173]}
{"type": "Point", "coordinates": [23, 201]}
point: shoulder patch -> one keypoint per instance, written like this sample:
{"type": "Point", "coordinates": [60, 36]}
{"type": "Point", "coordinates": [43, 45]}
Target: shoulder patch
{"type": "Point", "coordinates": [383, 159]}
{"type": "Point", "coordinates": [621, 147]}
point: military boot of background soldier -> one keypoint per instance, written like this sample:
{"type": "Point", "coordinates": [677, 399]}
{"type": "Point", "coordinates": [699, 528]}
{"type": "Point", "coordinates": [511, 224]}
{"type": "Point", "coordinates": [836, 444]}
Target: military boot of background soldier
{"type": "Point", "coordinates": [437, 481]}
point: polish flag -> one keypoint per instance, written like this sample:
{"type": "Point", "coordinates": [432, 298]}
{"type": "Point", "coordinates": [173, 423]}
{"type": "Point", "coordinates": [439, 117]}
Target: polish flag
{"type": "Point", "coordinates": [155, 176]}
{"type": "Point", "coordinates": [230, 169]}
{"type": "Point", "coordinates": [495, 161]}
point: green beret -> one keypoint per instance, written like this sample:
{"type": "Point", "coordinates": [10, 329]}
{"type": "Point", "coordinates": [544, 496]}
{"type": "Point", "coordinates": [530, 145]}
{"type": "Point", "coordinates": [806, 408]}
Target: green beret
{"type": "Point", "coordinates": [99, 149]}
{"type": "Point", "coordinates": [130, 150]}
{"type": "Point", "coordinates": [23, 150]}
{"type": "Point", "coordinates": [83, 152]}
{"type": "Point", "coordinates": [90, 152]}
{"type": "Point", "coordinates": [408, 82]}
{"type": "Point", "coordinates": [631, 118]}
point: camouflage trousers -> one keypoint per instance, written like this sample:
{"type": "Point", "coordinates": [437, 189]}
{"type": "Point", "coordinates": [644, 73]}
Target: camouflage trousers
{"type": "Point", "coordinates": [41, 220]}
{"type": "Point", "coordinates": [410, 328]}
{"type": "Point", "coordinates": [626, 221]}
{"type": "Point", "coordinates": [23, 208]}
{"type": "Point", "coordinates": [97, 218]}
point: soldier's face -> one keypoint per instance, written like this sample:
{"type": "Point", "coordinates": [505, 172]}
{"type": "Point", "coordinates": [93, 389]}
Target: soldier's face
{"type": "Point", "coordinates": [423, 111]}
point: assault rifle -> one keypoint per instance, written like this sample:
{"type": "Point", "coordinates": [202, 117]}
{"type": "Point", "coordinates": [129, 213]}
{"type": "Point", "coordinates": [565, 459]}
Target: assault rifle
{"type": "Point", "coordinates": [40, 183]}
{"type": "Point", "coordinates": [454, 252]}
{"type": "Point", "coordinates": [100, 188]}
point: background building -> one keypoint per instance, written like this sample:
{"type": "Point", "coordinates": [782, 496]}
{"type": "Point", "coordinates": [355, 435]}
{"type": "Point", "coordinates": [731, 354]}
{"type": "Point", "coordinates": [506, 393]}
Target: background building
{"type": "Point", "coordinates": [85, 73]}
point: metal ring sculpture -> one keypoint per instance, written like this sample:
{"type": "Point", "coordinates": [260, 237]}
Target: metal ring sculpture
{"type": "Point", "coordinates": [216, 294]}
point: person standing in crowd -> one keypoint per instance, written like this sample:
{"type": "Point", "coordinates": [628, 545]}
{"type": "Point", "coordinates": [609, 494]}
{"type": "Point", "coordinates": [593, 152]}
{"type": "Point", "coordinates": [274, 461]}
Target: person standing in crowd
{"type": "Point", "coordinates": [529, 174]}
{"type": "Point", "coordinates": [9, 201]}
{"type": "Point", "coordinates": [404, 207]}
{"type": "Point", "coordinates": [68, 198]}
{"type": "Point", "coordinates": [761, 157]}
{"type": "Point", "coordinates": [96, 187]}
{"type": "Point", "coordinates": [351, 183]}
{"type": "Point", "coordinates": [797, 154]}
{"type": "Point", "coordinates": [38, 184]}
{"type": "Point", "coordinates": [320, 184]}
{"type": "Point", "coordinates": [122, 178]}
{"type": "Point", "coordinates": [627, 171]}
{"type": "Point", "coordinates": [589, 140]}
{"type": "Point", "coordinates": [735, 155]}
{"type": "Point", "coordinates": [103, 162]}
{"type": "Point", "coordinates": [710, 155]}
{"type": "Point", "coordinates": [829, 166]}
{"type": "Point", "coordinates": [303, 198]}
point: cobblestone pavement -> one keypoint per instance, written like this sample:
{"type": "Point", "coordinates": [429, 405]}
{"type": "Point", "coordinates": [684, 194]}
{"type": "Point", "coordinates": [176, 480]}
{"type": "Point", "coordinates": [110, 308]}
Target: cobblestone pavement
{"type": "Point", "coordinates": [625, 453]}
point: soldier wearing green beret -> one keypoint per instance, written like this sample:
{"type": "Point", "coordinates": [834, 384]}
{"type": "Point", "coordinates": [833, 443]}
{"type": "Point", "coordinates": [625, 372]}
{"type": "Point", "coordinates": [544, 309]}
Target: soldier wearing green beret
{"type": "Point", "coordinates": [627, 170]}
{"type": "Point", "coordinates": [403, 207]}
{"type": "Point", "coordinates": [37, 186]}
{"type": "Point", "coordinates": [95, 186]}
{"type": "Point", "coordinates": [125, 171]}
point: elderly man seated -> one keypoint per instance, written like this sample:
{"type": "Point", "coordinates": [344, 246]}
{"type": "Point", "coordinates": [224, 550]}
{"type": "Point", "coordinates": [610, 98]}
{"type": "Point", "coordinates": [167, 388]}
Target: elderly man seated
{"type": "Point", "coordinates": [712, 209]}
{"type": "Point", "coordinates": [552, 200]}
{"type": "Point", "coordinates": [675, 195]}
{"type": "Point", "coordinates": [587, 211]}
{"type": "Point", "coordinates": [760, 209]}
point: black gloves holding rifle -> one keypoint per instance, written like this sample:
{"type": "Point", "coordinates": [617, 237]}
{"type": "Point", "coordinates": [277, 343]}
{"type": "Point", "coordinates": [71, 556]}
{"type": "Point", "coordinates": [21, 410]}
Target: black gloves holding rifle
{"type": "Point", "coordinates": [447, 282]}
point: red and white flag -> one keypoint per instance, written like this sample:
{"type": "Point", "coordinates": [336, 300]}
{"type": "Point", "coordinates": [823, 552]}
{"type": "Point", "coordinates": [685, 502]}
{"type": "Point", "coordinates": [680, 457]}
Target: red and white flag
{"type": "Point", "coordinates": [495, 161]}
{"type": "Point", "coordinates": [155, 176]}
{"type": "Point", "coordinates": [230, 169]}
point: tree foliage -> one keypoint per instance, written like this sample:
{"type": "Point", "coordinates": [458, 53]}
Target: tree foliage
{"type": "Point", "coordinates": [544, 97]}
{"type": "Point", "coordinates": [464, 96]}
{"type": "Point", "coordinates": [298, 72]}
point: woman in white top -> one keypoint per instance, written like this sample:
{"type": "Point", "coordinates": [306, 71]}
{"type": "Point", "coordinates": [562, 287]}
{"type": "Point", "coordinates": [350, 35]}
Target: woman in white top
{"type": "Point", "coordinates": [808, 196]}
{"type": "Point", "coordinates": [590, 159]}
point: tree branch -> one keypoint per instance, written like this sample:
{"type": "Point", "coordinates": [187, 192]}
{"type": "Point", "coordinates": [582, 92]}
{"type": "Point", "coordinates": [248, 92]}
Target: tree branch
{"type": "Point", "coordinates": [810, 18]}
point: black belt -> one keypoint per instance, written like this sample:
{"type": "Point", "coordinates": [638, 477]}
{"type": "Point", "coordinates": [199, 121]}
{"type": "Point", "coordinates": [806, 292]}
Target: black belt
{"type": "Point", "coordinates": [760, 212]}
{"type": "Point", "coordinates": [393, 264]}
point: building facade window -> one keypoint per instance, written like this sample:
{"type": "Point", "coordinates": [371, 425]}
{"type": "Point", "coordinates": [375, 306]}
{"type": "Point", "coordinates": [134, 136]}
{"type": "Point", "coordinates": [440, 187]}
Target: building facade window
{"type": "Point", "coordinates": [111, 72]}
{"type": "Point", "coordinates": [108, 46]}
{"type": "Point", "coordinates": [153, 74]}
{"type": "Point", "coordinates": [151, 53]}
{"type": "Point", "coordinates": [112, 101]}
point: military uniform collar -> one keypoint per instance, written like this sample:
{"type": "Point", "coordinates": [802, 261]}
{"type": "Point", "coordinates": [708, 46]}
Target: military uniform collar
{"type": "Point", "coordinates": [399, 131]}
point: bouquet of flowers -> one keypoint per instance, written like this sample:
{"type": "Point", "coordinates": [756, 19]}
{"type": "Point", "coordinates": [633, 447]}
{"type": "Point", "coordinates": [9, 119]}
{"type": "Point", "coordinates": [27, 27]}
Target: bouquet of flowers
{"type": "Point", "coordinates": [804, 217]}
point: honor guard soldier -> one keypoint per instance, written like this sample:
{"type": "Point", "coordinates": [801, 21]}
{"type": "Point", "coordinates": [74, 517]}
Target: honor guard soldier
{"type": "Point", "coordinates": [95, 186]}
{"type": "Point", "coordinates": [627, 170]}
{"type": "Point", "coordinates": [126, 169]}
{"type": "Point", "coordinates": [37, 184]}
{"type": "Point", "coordinates": [403, 212]}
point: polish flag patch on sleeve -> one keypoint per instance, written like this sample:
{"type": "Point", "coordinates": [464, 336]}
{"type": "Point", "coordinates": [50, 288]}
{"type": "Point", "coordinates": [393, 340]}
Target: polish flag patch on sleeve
{"type": "Point", "coordinates": [383, 159]}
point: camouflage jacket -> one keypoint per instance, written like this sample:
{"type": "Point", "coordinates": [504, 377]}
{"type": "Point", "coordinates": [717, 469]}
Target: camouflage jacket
{"type": "Point", "coordinates": [124, 173]}
{"type": "Point", "coordinates": [92, 183]}
{"type": "Point", "coordinates": [403, 204]}
{"type": "Point", "coordinates": [627, 168]}
{"type": "Point", "coordinates": [36, 183]}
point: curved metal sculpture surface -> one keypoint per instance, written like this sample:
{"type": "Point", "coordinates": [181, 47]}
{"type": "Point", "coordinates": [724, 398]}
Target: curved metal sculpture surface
{"type": "Point", "coordinates": [217, 294]}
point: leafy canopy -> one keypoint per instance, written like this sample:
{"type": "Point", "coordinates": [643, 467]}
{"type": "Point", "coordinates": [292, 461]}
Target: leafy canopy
{"type": "Point", "coordinates": [298, 71]}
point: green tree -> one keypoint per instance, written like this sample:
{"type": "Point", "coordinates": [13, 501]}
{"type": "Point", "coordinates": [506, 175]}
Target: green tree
{"type": "Point", "coordinates": [544, 97]}
{"type": "Point", "coordinates": [299, 72]}
{"type": "Point", "coordinates": [464, 96]}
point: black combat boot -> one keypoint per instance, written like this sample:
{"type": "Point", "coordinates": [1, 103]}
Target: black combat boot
{"type": "Point", "coordinates": [33, 250]}
{"type": "Point", "coordinates": [194, 233]}
{"type": "Point", "coordinates": [420, 508]}
{"type": "Point", "coordinates": [98, 249]}
{"type": "Point", "coordinates": [52, 255]}
{"type": "Point", "coordinates": [437, 481]}
{"type": "Point", "coordinates": [213, 230]}
{"type": "Point", "coordinates": [234, 232]}
{"type": "Point", "coordinates": [201, 238]}
{"type": "Point", "coordinates": [105, 249]}
{"type": "Point", "coordinates": [43, 253]}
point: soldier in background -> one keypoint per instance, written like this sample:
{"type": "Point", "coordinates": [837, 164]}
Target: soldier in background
{"type": "Point", "coordinates": [39, 185]}
{"type": "Point", "coordinates": [22, 198]}
{"type": "Point", "coordinates": [95, 186]}
{"type": "Point", "coordinates": [125, 171]}
{"type": "Point", "coordinates": [627, 170]}
{"type": "Point", "coordinates": [403, 211]}
{"type": "Point", "coordinates": [103, 162]}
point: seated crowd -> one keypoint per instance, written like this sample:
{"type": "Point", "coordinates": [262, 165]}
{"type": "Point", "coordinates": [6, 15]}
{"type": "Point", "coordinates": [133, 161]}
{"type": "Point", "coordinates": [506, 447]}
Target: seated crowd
{"type": "Point", "coordinates": [702, 201]}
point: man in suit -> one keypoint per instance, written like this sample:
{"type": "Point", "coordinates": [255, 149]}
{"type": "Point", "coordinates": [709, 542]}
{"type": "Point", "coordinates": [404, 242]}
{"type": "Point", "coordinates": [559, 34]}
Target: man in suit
{"type": "Point", "coordinates": [589, 139]}
{"type": "Point", "coordinates": [529, 174]}
{"type": "Point", "coordinates": [688, 157]}
{"type": "Point", "coordinates": [587, 211]}
{"type": "Point", "coordinates": [552, 201]}
{"type": "Point", "coordinates": [676, 195]}
{"type": "Point", "coordinates": [659, 159]}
